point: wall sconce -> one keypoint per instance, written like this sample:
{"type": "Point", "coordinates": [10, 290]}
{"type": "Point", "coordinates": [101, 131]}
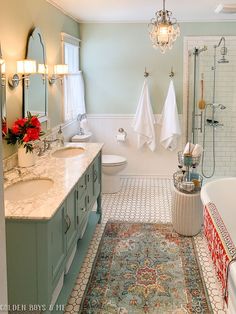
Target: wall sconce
{"type": "Point", "coordinates": [43, 69]}
{"type": "Point", "coordinates": [24, 67]}
{"type": "Point", "coordinates": [60, 70]}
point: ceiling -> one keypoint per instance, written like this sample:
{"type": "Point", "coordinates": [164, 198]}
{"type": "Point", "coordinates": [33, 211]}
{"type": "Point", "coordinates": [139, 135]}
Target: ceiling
{"type": "Point", "coordinates": [141, 10]}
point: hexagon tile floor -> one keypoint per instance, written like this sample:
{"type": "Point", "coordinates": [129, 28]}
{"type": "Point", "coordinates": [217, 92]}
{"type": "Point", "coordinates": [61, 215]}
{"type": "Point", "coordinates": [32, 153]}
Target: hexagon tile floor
{"type": "Point", "coordinates": [142, 199]}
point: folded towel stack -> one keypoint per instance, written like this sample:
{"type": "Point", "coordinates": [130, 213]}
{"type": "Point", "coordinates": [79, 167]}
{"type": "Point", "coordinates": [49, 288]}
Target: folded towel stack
{"type": "Point", "coordinates": [193, 150]}
{"type": "Point", "coordinates": [197, 151]}
{"type": "Point", "coordinates": [188, 149]}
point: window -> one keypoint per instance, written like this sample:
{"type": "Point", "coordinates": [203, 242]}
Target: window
{"type": "Point", "coordinates": [74, 102]}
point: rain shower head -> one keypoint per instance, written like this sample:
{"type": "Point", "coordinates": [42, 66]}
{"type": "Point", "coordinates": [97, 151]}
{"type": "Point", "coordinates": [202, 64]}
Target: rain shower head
{"type": "Point", "coordinates": [223, 51]}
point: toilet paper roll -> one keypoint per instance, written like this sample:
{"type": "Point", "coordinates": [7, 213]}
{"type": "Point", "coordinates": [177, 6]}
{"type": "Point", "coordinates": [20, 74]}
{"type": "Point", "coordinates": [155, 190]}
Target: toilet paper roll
{"type": "Point", "coordinates": [121, 137]}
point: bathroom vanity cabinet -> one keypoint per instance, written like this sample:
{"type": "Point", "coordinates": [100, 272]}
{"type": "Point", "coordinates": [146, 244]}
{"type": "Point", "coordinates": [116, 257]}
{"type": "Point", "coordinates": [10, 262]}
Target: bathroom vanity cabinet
{"type": "Point", "coordinates": [39, 252]}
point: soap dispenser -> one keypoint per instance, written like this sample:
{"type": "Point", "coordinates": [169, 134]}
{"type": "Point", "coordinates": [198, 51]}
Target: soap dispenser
{"type": "Point", "coordinates": [60, 137]}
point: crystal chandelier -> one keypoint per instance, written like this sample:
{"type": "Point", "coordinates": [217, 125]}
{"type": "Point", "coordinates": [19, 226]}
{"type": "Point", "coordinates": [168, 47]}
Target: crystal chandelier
{"type": "Point", "coordinates": [163, 29]}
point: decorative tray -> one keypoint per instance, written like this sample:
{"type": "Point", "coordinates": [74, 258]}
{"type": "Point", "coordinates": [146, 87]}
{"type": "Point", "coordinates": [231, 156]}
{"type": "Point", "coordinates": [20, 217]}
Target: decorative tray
{"type": "Point", "coordinates": [185, 160]}
{"type": "Point", "coordinates": [190, 186]}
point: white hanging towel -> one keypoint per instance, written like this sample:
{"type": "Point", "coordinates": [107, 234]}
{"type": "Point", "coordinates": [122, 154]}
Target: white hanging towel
{"type": "Point", "coordinates": [170, 126]}
{"type": "Point", "coordinates": [144, 120]}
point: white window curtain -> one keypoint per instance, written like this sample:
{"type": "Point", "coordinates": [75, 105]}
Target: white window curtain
{"type": "Point", "coordinates": [74, 100]}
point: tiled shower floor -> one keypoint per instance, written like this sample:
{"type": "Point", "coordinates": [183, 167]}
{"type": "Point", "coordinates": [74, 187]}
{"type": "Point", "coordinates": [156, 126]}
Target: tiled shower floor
{"type": "Point", "coordinates": [142, 199]}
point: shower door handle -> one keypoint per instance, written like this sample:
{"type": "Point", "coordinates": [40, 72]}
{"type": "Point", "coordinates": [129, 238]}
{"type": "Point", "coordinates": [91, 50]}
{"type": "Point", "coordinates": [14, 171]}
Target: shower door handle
{"type": "Point", "coordinates": [201, 121]}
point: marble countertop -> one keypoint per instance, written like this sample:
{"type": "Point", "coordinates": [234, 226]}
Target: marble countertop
{"type": "Point", "coordinates": [65, 173]}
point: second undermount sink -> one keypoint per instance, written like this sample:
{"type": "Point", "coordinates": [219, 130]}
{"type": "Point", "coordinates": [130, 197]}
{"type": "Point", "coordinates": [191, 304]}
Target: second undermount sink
{"type": "Point", "coordinates": [22, 190]}
{"type": "Point", "coordinates": [68, 152]}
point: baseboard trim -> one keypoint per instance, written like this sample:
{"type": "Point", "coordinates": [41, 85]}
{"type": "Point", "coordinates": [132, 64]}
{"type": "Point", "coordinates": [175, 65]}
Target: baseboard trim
{"type": "Point", "coordinates": [160, 176]}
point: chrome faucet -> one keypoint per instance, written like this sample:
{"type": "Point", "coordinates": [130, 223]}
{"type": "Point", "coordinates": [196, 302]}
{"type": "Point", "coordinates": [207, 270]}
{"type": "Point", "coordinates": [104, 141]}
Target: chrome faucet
{"type": "Point", "coordinates": [47, 144]}
{"type": "Point", "coordinates": [60, 137]}
{"type": "Point", "coordinates": [80, 117]}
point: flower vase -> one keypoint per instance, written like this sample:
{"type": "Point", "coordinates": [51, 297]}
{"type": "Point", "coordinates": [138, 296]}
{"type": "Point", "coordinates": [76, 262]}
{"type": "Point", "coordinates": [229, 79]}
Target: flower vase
{"type": "Point", "coordinates": [25, 159]}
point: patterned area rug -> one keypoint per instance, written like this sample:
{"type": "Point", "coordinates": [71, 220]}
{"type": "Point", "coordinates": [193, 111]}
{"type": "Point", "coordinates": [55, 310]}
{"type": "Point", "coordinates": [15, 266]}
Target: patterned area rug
{"type": "Point", "coordinates": [145, 268]}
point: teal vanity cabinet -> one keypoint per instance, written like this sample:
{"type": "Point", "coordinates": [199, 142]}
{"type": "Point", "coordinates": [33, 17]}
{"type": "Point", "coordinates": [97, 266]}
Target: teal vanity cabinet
{"type": "Point", "coordinates": [38, 251]}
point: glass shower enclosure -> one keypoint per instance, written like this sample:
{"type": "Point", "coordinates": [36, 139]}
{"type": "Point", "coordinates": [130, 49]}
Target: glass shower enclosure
{"type": "Point", "coordinates": [210, 104]}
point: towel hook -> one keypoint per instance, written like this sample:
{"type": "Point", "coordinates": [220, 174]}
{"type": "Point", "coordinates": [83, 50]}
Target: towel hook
{"type": "Point", "coordinates": [172, 73]}
{"type": "Point", "coordinates": [146, 74]}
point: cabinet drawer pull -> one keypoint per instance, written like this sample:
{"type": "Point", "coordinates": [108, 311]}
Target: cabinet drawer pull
{"type": "Point", "coordinates": [83, 209]}
{"type": "Point", "coordinates": [95, 176]}
{"type": "Point", "coordinates": [68, 223]}
{"type": "Point", "coordinates": [88, 199]}
{"type": "Point", "coordinates": [88, 177]}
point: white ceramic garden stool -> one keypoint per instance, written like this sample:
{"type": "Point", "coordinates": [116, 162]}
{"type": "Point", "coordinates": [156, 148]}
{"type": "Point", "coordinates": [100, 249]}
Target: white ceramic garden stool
{"type": "Point", "coordinates": [187, 212]}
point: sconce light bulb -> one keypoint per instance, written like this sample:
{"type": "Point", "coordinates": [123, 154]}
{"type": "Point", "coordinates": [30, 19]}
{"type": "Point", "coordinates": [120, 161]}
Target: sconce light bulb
{"type": "Point", "coordinates": [26, 66]}
{"type": "Point", "coordinates": [60, 70]}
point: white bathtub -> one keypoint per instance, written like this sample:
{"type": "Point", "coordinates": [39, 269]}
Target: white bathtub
{"type": "Point", "coordinates": [222, 192]}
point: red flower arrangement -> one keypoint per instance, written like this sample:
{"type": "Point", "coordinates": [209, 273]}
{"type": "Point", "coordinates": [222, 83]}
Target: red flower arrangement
{"type": "Point", "coordinates": [24, 131]}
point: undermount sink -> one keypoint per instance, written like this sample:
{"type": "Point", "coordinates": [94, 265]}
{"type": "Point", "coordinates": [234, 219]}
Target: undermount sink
{"type": "Point", "coordinates": [22, 190]}
{"type": "Point", "coordinates": [68, 152]}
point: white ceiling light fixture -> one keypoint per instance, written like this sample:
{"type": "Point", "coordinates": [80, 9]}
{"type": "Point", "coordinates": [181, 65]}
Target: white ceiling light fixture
{"type": "Point", "coordinates": [163, 30]}
{"type": "Point", "coordinates": [226, 8]}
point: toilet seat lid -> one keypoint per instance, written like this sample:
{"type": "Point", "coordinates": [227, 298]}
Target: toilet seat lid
{"type": "Point", "coordinates": [111, 160]}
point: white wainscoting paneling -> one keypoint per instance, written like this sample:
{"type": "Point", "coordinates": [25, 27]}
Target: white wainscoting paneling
{"type": "Point", "coordinates": [140, 162]}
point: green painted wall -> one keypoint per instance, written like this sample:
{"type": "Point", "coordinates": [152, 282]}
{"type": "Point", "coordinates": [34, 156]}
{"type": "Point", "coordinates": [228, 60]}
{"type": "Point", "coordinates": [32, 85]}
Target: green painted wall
{"type": "Point", "coordinates": [17, 19]}
{"type": "Point", "coordinates": [113, 58]}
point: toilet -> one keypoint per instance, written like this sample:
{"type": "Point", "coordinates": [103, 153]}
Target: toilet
{"type": "Point", "coordinates": [112, 165]}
